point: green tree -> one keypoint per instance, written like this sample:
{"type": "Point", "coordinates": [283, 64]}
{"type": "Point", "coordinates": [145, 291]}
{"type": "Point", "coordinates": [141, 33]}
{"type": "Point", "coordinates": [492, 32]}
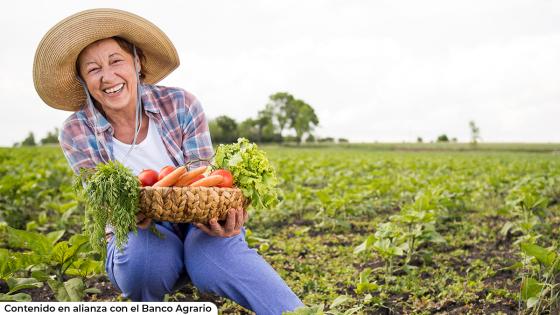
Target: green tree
{"type": "Point", "coordinates": [292, 113]}
{"type": "Point", "coordinates": [281, 106]}
{"type": "Point", "coordinates": [248, 129]}
{"type": "Point", "coordinates": [29, 141]}
{"type": "Point", "coordinates": [310, 138]}
{"type": "Point", "coordinates": [51, 137]}
{"type": "Point", "coordinates": [443, 138]}
{"type": "Point", "coordinates": [305, 119]}
{"type": "Point", "coordinates": [223, 129]}
{"type": "Point", "coordinates": [264, 125]}
{"type": "Point", "coordinates": [215, 131]}
{"type": "Point", "coordinates": [327, 139]}
{"type": "Point", "coordinates": [475, 132]}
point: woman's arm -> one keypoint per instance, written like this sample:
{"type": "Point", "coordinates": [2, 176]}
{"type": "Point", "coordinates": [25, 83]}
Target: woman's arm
{"type": "Point", "coordinates": [73, 142]}
{"type": "Point", "coordinates": [197, 143]}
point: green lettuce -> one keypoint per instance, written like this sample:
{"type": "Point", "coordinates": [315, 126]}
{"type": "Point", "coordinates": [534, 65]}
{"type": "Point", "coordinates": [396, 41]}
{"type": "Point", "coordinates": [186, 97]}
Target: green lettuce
{"type": "Point", "coordinates": [251, 170]}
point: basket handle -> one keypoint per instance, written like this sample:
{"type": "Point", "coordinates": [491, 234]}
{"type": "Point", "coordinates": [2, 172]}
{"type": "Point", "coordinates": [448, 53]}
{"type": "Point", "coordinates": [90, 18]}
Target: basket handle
{"type": "Point", "coordinates": [201, 160]}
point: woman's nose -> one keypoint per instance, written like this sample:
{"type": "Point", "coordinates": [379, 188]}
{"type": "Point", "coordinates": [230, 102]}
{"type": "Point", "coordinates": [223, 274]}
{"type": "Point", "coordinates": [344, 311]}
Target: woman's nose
{"type": "Point", "coordinates": [108, 75]}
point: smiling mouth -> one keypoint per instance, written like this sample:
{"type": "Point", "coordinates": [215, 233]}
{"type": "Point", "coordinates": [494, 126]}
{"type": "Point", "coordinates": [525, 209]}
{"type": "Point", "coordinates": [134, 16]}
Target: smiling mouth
{"type": "Point", "coordinates": [115, 89]}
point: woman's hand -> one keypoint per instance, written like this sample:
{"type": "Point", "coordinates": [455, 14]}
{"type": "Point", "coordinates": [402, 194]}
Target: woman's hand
{"type": "Point", "coordinates": [143, 222]}
{"type": "Point", "coordinates": [236, 218]}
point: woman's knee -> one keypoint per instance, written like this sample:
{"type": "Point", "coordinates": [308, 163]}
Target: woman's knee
{"type": "Point", "coordinates": [148, 266]}
{"type": "Point", "coordinates": [207, 257]}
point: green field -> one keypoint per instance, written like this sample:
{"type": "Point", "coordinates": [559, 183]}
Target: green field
{"type": "Point", "coordinates": [360, 229]}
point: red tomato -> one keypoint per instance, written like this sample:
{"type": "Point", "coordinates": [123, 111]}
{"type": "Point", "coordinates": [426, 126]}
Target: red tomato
{"type": "Point", "coordinates": [228, 178]}
{"type": "Point", "coordinates": [148, 177]}
{"type": "Point", "coordinates": [165, 171]}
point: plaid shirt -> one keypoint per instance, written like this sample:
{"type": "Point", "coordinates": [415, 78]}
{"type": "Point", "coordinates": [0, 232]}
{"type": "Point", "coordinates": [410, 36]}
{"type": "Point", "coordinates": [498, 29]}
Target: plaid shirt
{"type": "Point", "coordinates": [179, 116]}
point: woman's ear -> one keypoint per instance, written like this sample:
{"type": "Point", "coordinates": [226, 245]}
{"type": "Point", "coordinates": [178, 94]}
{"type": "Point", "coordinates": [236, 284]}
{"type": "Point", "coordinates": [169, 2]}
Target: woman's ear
{"type": "Point", "coordinates": [137, 65]}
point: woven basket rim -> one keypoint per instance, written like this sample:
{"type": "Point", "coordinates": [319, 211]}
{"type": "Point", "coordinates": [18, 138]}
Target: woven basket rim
{"type": "Point", "coordinates": [190, 188]}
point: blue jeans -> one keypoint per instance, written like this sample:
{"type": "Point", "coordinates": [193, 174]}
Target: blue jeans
{"type": "Point", "coordinates": [148, 267]}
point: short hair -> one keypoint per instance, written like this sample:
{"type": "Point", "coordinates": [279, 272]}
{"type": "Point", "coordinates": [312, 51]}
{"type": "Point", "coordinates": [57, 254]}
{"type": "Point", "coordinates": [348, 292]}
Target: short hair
{"type": "Point", "coordinates": [129, 48]}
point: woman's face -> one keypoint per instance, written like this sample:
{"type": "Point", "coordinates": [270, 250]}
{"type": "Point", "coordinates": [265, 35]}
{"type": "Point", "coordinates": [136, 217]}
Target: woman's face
{"type": "Point", "coordinates": [109, 74]}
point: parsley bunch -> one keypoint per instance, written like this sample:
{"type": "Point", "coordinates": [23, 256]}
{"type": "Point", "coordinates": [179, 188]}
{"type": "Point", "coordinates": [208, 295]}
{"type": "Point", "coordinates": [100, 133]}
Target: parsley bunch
{"type": "Point", "coordinates": [111, 194]}
{"type": "Point", "coordinates": [251, 171]}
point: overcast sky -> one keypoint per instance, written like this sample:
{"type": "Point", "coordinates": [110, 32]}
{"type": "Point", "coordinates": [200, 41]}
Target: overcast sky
{"type": "Point", "coordinates": [372, 70]}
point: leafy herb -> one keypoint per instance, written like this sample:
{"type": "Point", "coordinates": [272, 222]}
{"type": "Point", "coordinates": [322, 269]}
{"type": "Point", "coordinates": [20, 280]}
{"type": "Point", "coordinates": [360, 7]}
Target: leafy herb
{"type": "Point", "coordinates": [111, 194]}
{"type": "Point", "coordinates": [251, 171]}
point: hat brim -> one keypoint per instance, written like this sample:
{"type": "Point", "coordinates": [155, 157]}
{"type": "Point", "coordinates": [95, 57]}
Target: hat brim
{"type": "Point", "coordinates": [54, 67]}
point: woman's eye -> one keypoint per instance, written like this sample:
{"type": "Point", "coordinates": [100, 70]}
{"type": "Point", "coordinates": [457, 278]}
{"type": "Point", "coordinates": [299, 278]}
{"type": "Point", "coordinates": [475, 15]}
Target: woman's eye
{"type": "Point", "coordinates": [117, 61]}
{"type": "Point", "coordinates": [92, 70]}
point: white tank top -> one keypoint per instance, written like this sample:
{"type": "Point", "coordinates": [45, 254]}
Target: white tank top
{"type": "Point", "coordinates": [148, 154]}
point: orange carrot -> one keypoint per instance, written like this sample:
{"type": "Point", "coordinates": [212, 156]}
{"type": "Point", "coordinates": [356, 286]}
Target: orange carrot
{"type": "Point", "coordinates": [194, 180]}
{"type": "Point", "coordinates": [188, 177]}
{"type": "Point", "coordinates": [209, 181]}
{"type": "Point", "coordinates": [171, 178]}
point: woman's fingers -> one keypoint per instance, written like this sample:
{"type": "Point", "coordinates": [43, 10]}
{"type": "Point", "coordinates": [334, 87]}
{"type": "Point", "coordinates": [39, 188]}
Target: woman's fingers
{"type": "Point", "coordinates": [245, 216]}
{"type": "Point", "coordinates": [205, 229]}
{"type": "Point", "coordinates": [142, 222]}
{"type": "Point", "coordinates": [239, 219]}
{"type": "Point", "coordinates": [145, 223]}
{"type": "Point", "coordinates": [234, 222]}
{"type": "Point", "coordinates": [230, 222]}
{"type": "Point", "coordinates": [140, 217]}
{"type": "Point", "coordinates": [216, 227]}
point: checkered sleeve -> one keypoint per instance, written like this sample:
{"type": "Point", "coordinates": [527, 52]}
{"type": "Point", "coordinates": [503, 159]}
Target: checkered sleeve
{"type": "Point", "coordinates": [74, 145]}
{"type": "Point", "coordinates": [197, 143]}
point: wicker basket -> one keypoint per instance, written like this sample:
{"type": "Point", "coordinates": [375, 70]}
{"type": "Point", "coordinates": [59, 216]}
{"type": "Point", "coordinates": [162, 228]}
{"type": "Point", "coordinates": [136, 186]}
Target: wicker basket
{"type": "Point", "coordinates": [189, 204]}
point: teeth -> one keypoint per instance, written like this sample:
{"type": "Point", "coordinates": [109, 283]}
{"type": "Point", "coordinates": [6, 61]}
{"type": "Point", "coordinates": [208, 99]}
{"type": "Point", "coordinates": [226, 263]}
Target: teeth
{"type": "Point", "coordinates": [114, 89]}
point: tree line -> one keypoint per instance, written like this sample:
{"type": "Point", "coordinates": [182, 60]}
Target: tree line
{"type": "Point", "coordinates": [29, 141]}
{"type": "Point", "coordinates": [283, 114]}
{"type": "Point", "coordinates": [475, 135]}
{"type": "Point", "coordinates": [283, 119]}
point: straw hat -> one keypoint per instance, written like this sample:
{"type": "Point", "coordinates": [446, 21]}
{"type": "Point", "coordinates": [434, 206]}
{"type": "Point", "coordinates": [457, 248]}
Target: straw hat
{"type": "Point", "coordinates": [54, 67]}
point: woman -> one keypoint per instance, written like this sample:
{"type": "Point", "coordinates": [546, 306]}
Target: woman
{"type": "Point", "coordinates": [101, 64]}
